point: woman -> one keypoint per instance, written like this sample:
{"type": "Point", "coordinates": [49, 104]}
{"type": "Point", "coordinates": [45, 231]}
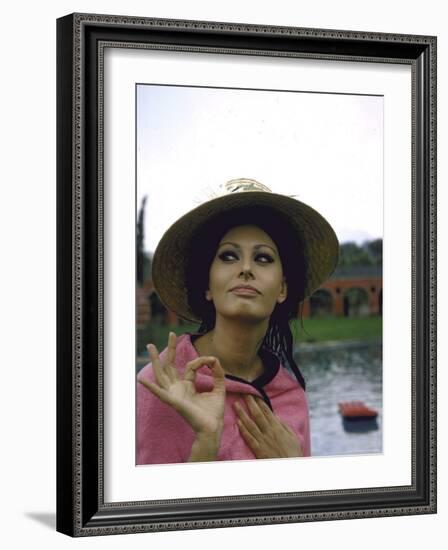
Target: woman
{"type": "Point", "coordinates": [239, 264]}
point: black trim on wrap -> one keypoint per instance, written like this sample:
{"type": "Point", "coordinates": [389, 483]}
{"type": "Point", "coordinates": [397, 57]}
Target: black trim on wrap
{"type": "Point", "coordinates": [271, 366]}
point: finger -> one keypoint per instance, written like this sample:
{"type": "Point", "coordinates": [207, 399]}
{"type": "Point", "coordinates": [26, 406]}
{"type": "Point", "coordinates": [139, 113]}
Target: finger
{"type": "Point", "coordinates": [248, 423]}
{"type": "Point", "coordinates": [156, 390]}
{"type": "Point", "coordinates": [194, 365]}
{"type": "Point", "coordinates": [219, 377]}
{"type": "Point", "coordinates": [249, 438]}
{"type": "Point", "coordinates": [263, 406]}
{"type": "Point", "coordinates": [269, 414]}
{"type": "Point", "coordinates": [159, 374]}
{"type": "Point", "coordinates": [293, 434]}
{"type": "Point", "coordinates": [287, 428]}
{"type": "Point", "coordinates": [171, 349]}
{"type": "Point", "coordinates": [257, 414]}
{"type": "Point", "coordinates": [170, 359]}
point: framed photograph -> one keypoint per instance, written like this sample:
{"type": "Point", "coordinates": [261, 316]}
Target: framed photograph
{"type": "Point", "coordinates": [246, 274]}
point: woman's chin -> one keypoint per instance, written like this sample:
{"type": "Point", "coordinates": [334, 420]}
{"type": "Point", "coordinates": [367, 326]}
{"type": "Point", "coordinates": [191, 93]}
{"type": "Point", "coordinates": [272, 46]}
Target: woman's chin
{"type": "Point", "coordinates": [246, 315]}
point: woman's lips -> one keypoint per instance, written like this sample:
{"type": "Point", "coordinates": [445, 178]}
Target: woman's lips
{"type": "Point", "coordinates": [244, 291]}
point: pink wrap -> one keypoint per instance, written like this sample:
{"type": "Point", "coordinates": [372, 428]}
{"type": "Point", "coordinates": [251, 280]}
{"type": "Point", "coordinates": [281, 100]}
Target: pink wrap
{"type": "Point", "coordinates": [163, 436]}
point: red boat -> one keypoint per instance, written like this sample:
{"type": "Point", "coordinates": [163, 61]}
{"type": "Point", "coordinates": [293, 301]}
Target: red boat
{"type": "Point", "coordinates": [356, 410]}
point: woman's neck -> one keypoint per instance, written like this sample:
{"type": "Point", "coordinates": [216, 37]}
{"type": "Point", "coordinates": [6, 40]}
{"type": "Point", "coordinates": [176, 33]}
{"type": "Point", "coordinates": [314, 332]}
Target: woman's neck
{"type": "Point", "coordinates": [236, 346]}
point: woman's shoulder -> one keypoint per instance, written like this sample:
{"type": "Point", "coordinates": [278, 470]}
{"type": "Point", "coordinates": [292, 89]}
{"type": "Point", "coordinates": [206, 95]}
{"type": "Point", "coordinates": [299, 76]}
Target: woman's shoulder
{"type": "Point", "coordinates": [185, 347]}
{"type": "Point", "coordinates": [284, 381]}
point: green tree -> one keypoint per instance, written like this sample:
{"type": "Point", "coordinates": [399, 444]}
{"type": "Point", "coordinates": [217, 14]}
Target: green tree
{"type": "Point", "coordinates": [353, 255]}
{"type": "Point", "coordinates": [375, 250]}
{"type": "Point", "coordinates": [140, 240]}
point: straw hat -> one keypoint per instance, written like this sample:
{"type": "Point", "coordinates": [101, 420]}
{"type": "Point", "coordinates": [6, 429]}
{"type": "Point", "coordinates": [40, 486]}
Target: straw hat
{"type": "Point", "coordinates": [314, 235]}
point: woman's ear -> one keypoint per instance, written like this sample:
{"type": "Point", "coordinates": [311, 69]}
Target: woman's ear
{"type": "Point", "coordinates": [208, 295]}
{"type": "Point", "coordinates": [283, 292]}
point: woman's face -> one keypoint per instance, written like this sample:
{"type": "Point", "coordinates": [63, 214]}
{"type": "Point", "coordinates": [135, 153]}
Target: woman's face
{"type": "Point", "coordinates": [246, 277]}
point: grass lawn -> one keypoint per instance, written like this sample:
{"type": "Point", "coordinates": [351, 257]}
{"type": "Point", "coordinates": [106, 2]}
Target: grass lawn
{"type": "Point", "coordinates": [313, 330]}
{"type": "Point", "coordinates": [338, 328]}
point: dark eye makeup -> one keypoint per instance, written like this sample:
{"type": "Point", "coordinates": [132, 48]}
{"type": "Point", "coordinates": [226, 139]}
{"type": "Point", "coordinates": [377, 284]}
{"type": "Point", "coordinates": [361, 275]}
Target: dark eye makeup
{"type": "Point", "coordinates": [227, 255]}
{"type": "Point", "coordinates": [231, 255]}
{"type": "Point", "coordinates": [264, 258]}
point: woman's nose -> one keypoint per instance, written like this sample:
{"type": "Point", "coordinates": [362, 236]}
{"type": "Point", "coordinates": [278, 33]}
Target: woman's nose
{"type": "Point", "coordinates": [246, 269]}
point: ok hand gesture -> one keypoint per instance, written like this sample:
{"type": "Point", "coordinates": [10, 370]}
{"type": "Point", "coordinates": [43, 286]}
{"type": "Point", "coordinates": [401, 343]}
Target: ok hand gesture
{"type": "Point", "coordinates": [203, 411]}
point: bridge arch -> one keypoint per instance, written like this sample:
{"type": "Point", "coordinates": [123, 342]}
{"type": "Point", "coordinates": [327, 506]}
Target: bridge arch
{"type": "Point", "coordinates": [356, 302]}
{"type": "Point", "coordinates": [321, 303]}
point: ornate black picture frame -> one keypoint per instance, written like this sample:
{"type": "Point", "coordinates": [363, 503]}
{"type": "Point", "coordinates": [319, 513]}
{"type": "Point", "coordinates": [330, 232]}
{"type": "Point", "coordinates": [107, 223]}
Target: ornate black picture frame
{"type": "Point", "coordinates": [81, 508]}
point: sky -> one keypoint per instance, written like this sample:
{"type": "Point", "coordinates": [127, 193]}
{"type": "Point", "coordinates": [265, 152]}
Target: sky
{"type": "Point", "coordinates": [325, 149]}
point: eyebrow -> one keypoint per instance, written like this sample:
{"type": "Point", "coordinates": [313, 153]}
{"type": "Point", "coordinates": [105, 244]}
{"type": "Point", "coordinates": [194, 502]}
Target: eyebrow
{"type": "Point", "coordinates": [256, 247]}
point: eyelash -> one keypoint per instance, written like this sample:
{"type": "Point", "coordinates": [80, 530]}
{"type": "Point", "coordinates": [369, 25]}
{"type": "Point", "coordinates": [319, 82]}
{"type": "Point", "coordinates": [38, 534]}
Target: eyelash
{"type": "Point", "coordinates": [267, 259]}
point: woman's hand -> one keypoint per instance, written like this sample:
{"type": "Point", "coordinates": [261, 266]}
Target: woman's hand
{"type": "Point", "coordinates": [264, 433]}
{"type": "Point", "coordinates": [203, 411]}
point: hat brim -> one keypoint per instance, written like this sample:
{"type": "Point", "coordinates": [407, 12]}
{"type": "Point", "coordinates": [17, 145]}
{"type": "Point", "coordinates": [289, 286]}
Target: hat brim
{"type": "Point", "coordinates": [319, 244]}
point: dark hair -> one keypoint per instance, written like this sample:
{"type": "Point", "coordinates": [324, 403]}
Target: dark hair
{"type": "Point", "coordinates": [278, 338]}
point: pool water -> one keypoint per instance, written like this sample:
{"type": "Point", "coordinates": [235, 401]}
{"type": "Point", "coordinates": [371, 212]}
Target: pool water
{"type": "Point", "coordinates": [343, 374]}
